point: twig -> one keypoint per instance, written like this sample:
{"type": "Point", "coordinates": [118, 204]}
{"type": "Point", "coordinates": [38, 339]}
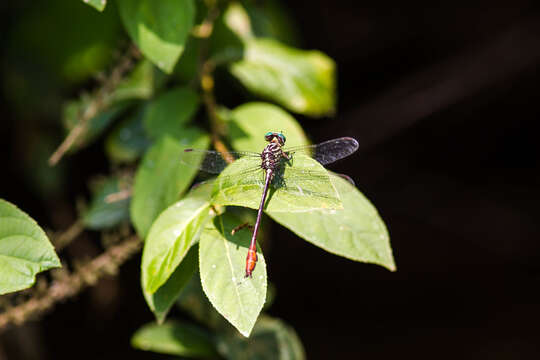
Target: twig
{"type": "Point", "coordinates": [118, 196]}
{"type": "Point", "coordinates": [206, 68]}
{"type": "Point", "coordinates": [67, 236]}
{"type": "Point", "coordinates": [64, 288]}
{"type": "Point", "coordinates": [100, 102]}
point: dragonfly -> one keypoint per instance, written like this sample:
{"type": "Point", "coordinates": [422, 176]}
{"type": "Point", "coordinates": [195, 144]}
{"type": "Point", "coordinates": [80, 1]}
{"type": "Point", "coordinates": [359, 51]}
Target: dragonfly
{"type": "Point", "coordinates": [271, 160]}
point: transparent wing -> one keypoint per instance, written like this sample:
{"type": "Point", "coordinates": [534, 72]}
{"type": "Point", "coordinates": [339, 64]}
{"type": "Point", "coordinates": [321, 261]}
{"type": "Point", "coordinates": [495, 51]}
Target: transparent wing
{"type": "Point", "coordinates": [300, 181]}
{"type": "Point", "coordinates": [327, 152]}
{"type": "Point", "coordinates": [212, 162]}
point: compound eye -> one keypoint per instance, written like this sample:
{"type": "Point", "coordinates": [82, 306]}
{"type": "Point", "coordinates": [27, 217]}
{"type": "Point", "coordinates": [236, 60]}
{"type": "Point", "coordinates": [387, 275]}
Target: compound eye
{"type": "Point", "coordinates": [282, 137]}
{"type": "Point", "coordinates": [268, 136]}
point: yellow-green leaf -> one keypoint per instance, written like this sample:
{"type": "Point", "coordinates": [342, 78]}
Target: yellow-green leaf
{"type": "Point", "coordinates": [302, 81]}
{"type": "Point", "coordinates": [161, 178]}
{"type": "Point", "coordinates": [170, 237]}
{"type": "Point", "coordinates": [222, 259]}
{"type": "Point", "coordinates": [25, 250]}
{"type": "Point", "coordinates": [357, 232]}
{"type": "Point", "coordinates": [159, 28]}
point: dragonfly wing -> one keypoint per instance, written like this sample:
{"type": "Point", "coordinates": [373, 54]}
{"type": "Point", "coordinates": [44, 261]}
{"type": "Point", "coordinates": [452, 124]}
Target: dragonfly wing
{"type": "Point", "coordinates": [329, 151]}
{"type": "Point", "coordinates": [301, 181]}
{"type": "Point", "coordinates": [212, 162]}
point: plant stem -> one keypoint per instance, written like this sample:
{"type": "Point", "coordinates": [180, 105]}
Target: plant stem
{"type": "Point", "coordinates": [69, 286]}
{"type": "Point", "coordinates": [100, 101]}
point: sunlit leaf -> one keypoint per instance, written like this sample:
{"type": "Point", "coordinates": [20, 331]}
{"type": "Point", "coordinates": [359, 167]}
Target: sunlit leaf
{"type": "Point", "coordinates": [271, 339]}
{"type": "Point", "coordinates": [175, 338]}
{"type": "Point", "coordinates": [168, 114]}
{"type": "Point", "coordinates": [128, 140]}
{"type": "Point", "coordinates": [159, 28]}
{"type": "Point", "coordinates": [170, 237]}
{"type": "Point", "coordinates": [237, 19]}
{"type": "Point", "coordinates": [104, 211]}
{"type": "Point", "coordinates": [99, 5]}
{"type": "Point", "coordinates": [163, 299]}
{"type": "Point", "coordinates": [25, 250]}
{"type": "Point", "coordinates": [222, 259]}
{"type": "Point", "coordinates": [161, 178]}
{"type": "Point", "coordinates": [357, 232]}
{"type": "Point", "coordinates": [302, 185]}
{"type": "Point", "coordinates": [249, 122]}
{"type": "Point", "coordinates": [302, 81]}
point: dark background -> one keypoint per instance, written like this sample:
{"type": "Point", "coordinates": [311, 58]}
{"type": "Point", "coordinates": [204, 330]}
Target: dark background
{"type": "Point", "coordinates": [444, 100]}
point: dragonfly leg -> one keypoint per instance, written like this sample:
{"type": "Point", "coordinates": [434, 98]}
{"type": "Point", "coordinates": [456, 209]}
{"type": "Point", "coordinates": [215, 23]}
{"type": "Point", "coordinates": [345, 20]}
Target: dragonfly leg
{"type": "Point", "coordinates": [240, 227]}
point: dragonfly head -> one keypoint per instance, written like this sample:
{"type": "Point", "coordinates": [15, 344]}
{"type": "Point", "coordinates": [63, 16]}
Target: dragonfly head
{"type": "Point", "coordinates": [274, 136]}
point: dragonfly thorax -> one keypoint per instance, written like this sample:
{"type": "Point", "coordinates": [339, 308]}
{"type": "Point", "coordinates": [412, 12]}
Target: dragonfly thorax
{"type": "Point", "coordinates": [271, 156]}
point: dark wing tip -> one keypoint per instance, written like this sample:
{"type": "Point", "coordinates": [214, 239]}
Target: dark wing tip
{"type": "Point", "coordinates": [188, 150]}
{"type": "Point", "coordinates": [352, 141]}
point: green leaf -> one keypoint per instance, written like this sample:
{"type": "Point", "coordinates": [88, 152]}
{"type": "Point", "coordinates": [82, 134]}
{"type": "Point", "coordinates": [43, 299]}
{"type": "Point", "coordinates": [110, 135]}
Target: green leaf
{"type": "Point", "coordinates": [170, 237]}
{"type": "Point", "coordinates": [161, 178]}
{"type": "Point", "coordinates": [302, 81]}
{"type": "Point", "coordinates": [141, 83]}
{"type": "Point", "coordinates": [306, 187]}
{"type": "Point", "coordinates": [175, 338]}
{"type": "Point", "coordinates": [249, 122]}
{"type": "Point", "coordinates": [99, 5]}
{"type": "Point", "coordinates": [104, 213]}
{"type": "Point", "coordinates": [356, 232]}
{"type": "Point", "coordinates": [127, 141]}
{"type": "Point", "coordinates": [187, 68]}
{"type": "Point", "coordinates": [272, 19]}
{"type": "Point", "coordinates": [162, 300]}
{"type": "Point", "coordinates": [25, 250]}
{"type": "Point", "coordinates": [271, 339]}
{"type": "Point", "coordinates": [159, 28]}
{"type": "Point", "coordinates": [168, 114]}
{"type": "Point", "coordinates": [237, 19]}
{"type": "Point", "coordinates": [222, 259]}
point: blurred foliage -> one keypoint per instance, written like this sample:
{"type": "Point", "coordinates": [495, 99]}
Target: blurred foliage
{"type": "Point", "coordinates": [147, 102]}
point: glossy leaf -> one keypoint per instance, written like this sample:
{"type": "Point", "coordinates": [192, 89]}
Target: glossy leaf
{"type": "Point", "coordinates": [170, 237]}
{"type": "Point", "coordinates": [162, 300]}
{"type": "Point", "coordinates": [249, 122]}
{"type": "Point", "coordinates": [308, 186]}
{"type": "Point", "coordinates": [357, 232]}
{"type": "Point", "coordinates": [159, 28]}
{"type": "Point", "coordinates": [302, 81]}
{"type": "Point", "coordinates": [175, 338]}
{"type": "Point", "coordinates": [271, 339]}
{"type": "Point", "coordinates": [161, 178]}
{"type": "Point", "coordinates": [222, 259]}
{"type": "Point", "coordinates": [99, 5]}
{"type": "Point", "coordinates": [168, 114]}
{"type": "Point", "coordinates": [25, 250]}
{"type": "Point", "coordinates": [128, 140]}
{"type": "Point", "coordinates": [103, 213]}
